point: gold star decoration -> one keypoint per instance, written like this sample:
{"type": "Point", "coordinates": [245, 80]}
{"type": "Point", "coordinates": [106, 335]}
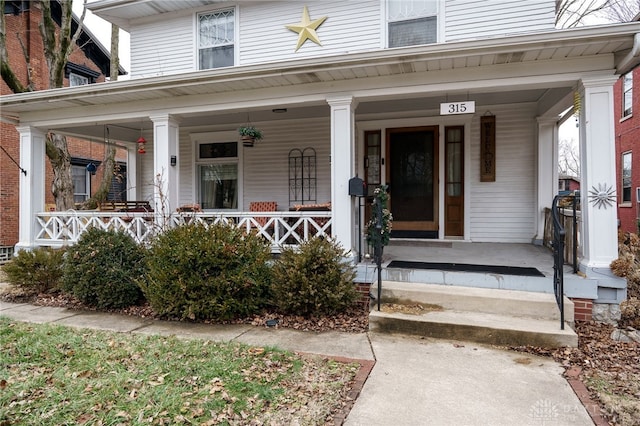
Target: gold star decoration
{"type": "Point", "coordinates": [306, 29]}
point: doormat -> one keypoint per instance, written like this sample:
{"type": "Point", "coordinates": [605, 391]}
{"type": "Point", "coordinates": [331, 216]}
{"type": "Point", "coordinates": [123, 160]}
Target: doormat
{"type": "Point", "coordinates": [414, 234]}
{"type": "Point", "coordinates": [465, 267]}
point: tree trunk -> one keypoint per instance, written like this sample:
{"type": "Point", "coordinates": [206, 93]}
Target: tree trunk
{"type": "Point", "coordinates": [105, 185]}
{"type": "Point", "coordinates": [62, 185]}
{"type": "Point", "coordinates": [115, 53]}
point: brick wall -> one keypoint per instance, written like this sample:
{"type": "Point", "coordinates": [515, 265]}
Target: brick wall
{"type": "Point", "coordinates": [627, 138]}
{"type": "Point", "coordinates": [363, 290]}
{"type": "Point", "coordinates": [23, 28]}
{"type": "Point", "coordinates": [583, 309]}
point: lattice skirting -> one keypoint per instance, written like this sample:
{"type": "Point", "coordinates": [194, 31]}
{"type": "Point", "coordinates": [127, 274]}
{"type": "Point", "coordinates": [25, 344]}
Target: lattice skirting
{"type": "Point", "coordinates": [6, 253]}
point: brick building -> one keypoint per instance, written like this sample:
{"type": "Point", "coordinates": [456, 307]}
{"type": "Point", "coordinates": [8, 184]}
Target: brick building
{"type": "Point", "coordinates": [627, 134]}
{"type": "Point", "coordinates": [88, 64]}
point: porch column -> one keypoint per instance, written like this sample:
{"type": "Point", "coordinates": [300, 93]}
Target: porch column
{"type": "Point", "coordinates": [547, 170]}
{"type": "Point", "coordinates": [342, 169]}
{"type": "Point", "coordinates": [32, 186]}
{"type": "Point", "coordinates": [132, 173]}
{"type": "Point", "coordinates": [598, 172]}
{"type": "Point", "coordinates": [165, 146]}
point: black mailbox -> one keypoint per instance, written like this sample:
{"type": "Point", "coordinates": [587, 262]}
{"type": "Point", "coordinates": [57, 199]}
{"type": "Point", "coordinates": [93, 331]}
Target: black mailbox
{"type": "Point", "coordinates": [357, 187]}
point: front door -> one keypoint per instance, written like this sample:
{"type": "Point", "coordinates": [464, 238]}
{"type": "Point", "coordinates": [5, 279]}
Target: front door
{"type": "Point", "coordinates": [412, 176]}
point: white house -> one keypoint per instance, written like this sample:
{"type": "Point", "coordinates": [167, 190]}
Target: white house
{"type": "Point", "coordinates": [454, 104]}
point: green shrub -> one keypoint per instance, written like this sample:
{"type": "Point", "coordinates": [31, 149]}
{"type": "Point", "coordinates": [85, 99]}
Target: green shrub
{"type": "Point", "coordinates": [36, 271]}
{"type": "Point", "coordinates": [102, 269]}
{"type": "Point", "coordinates": [207, 272]}
{"type": "Point", "coordinates": [316, 279]}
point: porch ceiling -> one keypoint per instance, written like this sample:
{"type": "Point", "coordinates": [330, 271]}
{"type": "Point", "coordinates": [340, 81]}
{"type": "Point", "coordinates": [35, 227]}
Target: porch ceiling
{"type": "Point", "coordinates": [312, 78]}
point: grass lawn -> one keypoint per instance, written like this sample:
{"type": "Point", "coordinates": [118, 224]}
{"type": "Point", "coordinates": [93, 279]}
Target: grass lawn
{"type": "Point", "coordinates": [55, 375]}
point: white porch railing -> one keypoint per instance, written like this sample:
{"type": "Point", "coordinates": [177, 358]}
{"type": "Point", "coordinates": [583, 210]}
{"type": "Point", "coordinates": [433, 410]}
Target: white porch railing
{"type": "Point", "coordinates": [280, 229]}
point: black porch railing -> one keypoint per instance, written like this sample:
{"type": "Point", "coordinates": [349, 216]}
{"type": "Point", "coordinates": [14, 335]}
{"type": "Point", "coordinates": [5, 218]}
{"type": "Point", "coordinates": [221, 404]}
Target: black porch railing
{"type": "Point", "coordinates": [558, 258]}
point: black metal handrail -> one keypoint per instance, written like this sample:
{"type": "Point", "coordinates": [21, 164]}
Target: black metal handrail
{"type": "Point", "coordinates": [558, 258]}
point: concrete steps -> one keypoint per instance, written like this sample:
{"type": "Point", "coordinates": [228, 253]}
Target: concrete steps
{"type": "Point", "coordinates": [492, 316]}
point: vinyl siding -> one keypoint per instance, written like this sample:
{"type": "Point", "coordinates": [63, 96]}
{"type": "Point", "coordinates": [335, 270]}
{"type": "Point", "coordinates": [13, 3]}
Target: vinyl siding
{"type": "Point", "coordinates": [265, 165]}
{"type": "Point", "coordinates": [351, 26]}
{"type": "Point", "coordinates": [473, 19]}
{"type": "Point", "coordinates": [504, 210]}
{"type": "Point", "coordinates": [266, 171]}
{"type": "Point", "coordinates": [162, 48]}
{"type": "Point", "coordinates": [167, 45]}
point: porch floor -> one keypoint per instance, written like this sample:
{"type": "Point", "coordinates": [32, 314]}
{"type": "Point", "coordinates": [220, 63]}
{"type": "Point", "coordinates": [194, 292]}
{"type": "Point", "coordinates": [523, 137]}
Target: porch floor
{"type": "Point", "coordinates": [451, 251]}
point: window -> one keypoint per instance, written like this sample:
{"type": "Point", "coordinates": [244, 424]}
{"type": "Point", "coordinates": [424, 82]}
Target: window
{"type": "Point", "coordinates": [81, 183]}
{"type": "Point", "coordinates": [412, 22]}
{"type": "Point", "coordinates": [627, 94]}
{"type": "Point", "coordinates": [80, 75]}
{"type": "Point", "coordinates": [216, 37]}
{"type": "Point", "coordinates": [626, 177]}
{"type": "Point", "coordinates": [77, 80]}
{"type": "Point", "coordinates": [218, 175]}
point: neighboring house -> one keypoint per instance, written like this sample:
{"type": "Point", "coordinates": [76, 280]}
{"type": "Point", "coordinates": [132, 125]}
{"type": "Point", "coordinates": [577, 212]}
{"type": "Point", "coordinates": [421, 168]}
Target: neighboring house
{"type": "Point", "coordinates": [627, 137]}
{"type": "Point", "coordinates": [88, 64]}
{"type": "Point", "coordinates": [568, 184]}
{"type": "Point", "coordinates": [454, 104]}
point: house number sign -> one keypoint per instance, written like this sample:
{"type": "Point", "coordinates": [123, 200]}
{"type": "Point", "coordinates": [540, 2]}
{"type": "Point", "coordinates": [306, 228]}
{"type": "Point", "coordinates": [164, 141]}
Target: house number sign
{"type": "Point", "coordinates": [451, 108]}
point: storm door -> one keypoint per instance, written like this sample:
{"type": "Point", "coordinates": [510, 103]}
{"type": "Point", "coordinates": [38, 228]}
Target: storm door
{"type": "Point", "coordinates": [412, 176]}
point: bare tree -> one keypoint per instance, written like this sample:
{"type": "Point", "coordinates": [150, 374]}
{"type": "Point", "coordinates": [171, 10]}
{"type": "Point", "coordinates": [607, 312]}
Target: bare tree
{"type": "Point", "coordinates": [572, 13]}
{"type": "Point", "coordinates": [568, 157]}
{"type": "Point", "coordinates": [622, 10]}
{"type": "Point", "coordinates": [59, 43]}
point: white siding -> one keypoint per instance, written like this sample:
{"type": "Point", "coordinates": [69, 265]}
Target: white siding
{"type": "Point", "coordinates": [505, 210]}
{"type": "Point", "coordinates": [472, 19]}
{"type": "Point", "coordinates": [163, 47]}
{"type": "Point", "coordinates": [265, 165]}
{"type": "Point", "coordinates": [266, 173]}
{"type": "Point", "coordinates": [166, 45]}
{"type": "Point", "coordinates": [351, 26]}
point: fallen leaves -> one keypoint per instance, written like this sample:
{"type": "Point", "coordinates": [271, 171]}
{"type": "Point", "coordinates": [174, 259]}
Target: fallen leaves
{"type": "Point", "coordinates": [609, 368]}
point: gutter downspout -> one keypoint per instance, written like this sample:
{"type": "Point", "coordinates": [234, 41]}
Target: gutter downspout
{"type": "Point", "coordinates": [632, 58]}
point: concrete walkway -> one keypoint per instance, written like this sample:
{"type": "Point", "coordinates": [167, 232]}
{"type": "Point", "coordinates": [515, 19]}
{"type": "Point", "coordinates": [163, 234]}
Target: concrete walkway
{"type": "Point", "coordinates": [414, 381]}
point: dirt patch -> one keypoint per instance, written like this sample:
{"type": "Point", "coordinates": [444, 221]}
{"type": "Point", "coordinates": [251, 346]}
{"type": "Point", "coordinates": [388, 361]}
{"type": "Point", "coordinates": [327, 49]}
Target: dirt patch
{"type": "Point", "coordinates": [409, 308]}
{"type": "Point", "coordinates": [354, 320]}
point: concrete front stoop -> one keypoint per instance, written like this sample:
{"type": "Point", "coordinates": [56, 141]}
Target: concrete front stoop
{"type": "Point", "coordinates": [491, 316]}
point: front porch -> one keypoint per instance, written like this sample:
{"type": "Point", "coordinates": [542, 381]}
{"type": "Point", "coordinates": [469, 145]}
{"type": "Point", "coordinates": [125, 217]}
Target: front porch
{"type": "Point", "coordinates": [519, 255]}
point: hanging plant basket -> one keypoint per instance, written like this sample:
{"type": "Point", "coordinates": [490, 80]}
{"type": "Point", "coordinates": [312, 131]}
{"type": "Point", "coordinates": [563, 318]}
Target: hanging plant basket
{"type": "Point", "coordinates": [249, 135]}
{"type": "Point", "coordinates": [248, 141]}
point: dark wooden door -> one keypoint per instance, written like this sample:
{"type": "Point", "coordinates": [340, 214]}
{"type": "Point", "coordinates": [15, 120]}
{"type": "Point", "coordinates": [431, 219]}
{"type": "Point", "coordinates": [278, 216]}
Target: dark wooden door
{"type": "Point", "coordinates": [412, 176]}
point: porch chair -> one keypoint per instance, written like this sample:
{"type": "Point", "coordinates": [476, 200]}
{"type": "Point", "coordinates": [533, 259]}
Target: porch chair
{"type": "Point", "coordinates": [262, 206]}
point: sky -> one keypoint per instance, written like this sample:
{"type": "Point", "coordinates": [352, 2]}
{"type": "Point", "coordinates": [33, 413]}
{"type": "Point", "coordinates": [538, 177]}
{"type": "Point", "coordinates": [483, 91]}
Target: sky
{"type": "Point", "coordinates": [101, 29]}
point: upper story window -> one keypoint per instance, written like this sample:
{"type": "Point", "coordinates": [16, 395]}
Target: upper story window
{"type": "Point", "coordinates": [77, 80]}
{"type": "Point", "coordinates": [627, 93]}
{"type": "Point", "coordinates": [216, 39]}
{"type": "Point", "coordinates": [412, 22]}
{"type": "Point", "coordinates": [79, 75]}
